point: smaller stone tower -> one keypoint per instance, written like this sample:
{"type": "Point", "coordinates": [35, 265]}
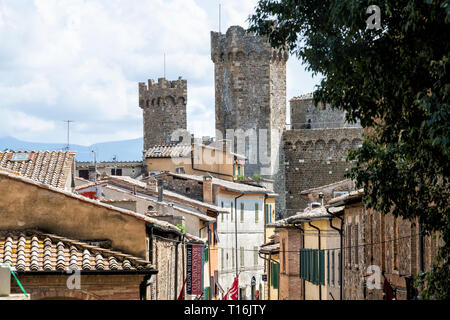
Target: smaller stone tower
{"type": "Point", "coordinates": [164, 109]}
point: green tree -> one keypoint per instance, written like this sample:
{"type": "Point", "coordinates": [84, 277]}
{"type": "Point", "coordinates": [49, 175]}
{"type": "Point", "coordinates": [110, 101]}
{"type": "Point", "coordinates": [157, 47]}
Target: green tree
{"type": "Point", "coordinates": [395, 80]}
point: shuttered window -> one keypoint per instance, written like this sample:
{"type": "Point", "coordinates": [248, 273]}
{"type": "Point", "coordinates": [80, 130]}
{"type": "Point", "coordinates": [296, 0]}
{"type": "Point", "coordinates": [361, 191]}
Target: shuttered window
{"type": "Point", "coordinates": [242, 256]}
{"type": "Point", "coordinates": [266, 213]}
{"type": "Point", "coordinates": [274, 274]}
{"type": "Point", "coordinates": [328, 267]}
{"type": "Point", "coordinates": [242, 212]}
{"type": "Point", "coordinates": [256, 212]}
{"type": "Point", "coordinates": [356, 244]}
{"type": "Point", "coordinates": [349, 244]}
{"type": "Point", "coordinates": [312, 265]}
{"type": "Point", "coordinates": [232, 211]}
{"type": "Point", "coordinates": [333, 272]}
{"type": "Point", "coordinates": [223, 214]}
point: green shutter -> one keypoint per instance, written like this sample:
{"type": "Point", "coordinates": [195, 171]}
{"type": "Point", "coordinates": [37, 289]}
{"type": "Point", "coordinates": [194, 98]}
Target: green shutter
{"type": "Point", "coordinates": [206, 252]}
{"type": "Point", "coordinates": [321, 267]}
{"type": "Point", "coordinates": [207, 294]}
{"type": "Point", "coordinates": [274, 272]}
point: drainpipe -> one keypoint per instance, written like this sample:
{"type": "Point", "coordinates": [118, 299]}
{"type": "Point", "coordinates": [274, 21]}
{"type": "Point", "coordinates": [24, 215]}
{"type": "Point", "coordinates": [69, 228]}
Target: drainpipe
{"type": "Point", "coordinates": [143, 286]}
{"type": "Point", "coordinates": [302, 245]}
{"type": "Point", "coordinates": [270, 278]}
{"type": "Point", "coordinates": [235, 230]}
{"type": "Point", "coordinates": [176, 271]}
{"type": "Point", "coordinates": [318, 230]}
{"type": "Point", "coordinates": [341, 269]}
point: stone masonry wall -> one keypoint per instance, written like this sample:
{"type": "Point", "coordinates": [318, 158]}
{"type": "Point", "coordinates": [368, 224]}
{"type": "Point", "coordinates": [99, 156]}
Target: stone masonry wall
{"type": "Point", "coordinates": [315, 158]}
{"type": "Point", "coordinates": [164, 109]}
{"type": "Point", "coordinates": [93, 287]}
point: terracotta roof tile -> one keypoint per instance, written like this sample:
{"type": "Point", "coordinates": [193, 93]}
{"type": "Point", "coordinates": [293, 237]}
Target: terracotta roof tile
{"type": "Point", "coordinates": [48, 167]}
{"type": "Point", "coordinates": [37, 251]}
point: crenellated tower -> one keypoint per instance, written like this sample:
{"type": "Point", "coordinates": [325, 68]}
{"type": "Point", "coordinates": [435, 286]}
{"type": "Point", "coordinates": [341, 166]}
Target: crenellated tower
{"type": "Point", "coordinates": [164, 109]}
{"type": "Point", "coordinates": [250, 94]}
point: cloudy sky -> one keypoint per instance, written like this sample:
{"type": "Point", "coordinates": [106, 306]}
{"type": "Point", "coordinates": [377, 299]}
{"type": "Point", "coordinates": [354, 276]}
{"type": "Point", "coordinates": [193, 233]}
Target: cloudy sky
{"type": "Point", "coordinates": [82, 60]}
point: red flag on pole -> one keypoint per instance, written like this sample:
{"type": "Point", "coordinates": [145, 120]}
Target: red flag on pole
{"type": "Point", "coordinates": [234, 290]}
{"type": "Point", "coordinates": [181, 295]}
{"type": "Point", "coordinates": [225, 297]}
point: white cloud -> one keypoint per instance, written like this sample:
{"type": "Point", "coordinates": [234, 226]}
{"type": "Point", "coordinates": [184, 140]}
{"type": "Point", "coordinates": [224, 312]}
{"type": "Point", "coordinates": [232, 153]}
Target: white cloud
{"type": "Point", "coordinates": [82, 60]}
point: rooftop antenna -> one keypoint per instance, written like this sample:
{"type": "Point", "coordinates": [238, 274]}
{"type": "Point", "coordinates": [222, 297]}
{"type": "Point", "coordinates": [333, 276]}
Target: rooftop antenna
{"type": "Point", "coordinates": [68, 128]}
{"type": "Point", "coordinates": [220, 15]}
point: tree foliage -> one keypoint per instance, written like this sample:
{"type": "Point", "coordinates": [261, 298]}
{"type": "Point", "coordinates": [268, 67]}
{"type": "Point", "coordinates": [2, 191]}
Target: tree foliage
{"type": "Point", "coordinates": [395, 80]}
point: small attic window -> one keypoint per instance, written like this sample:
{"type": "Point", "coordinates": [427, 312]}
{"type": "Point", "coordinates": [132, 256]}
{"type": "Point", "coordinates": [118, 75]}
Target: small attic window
{"type": "Point", "coordinates": [20, 156]}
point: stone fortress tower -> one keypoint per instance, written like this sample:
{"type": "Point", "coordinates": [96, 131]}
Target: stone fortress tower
{"type": "Point", "coordinates": [315, 148]}
{"type": "Point", "coordinates": [164, 109]}
{"type": "Point", "coordinates": [250, 93]}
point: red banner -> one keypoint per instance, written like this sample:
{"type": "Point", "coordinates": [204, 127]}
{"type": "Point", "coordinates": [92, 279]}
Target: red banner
{"type": "Point", "coordinates": [194, 269]}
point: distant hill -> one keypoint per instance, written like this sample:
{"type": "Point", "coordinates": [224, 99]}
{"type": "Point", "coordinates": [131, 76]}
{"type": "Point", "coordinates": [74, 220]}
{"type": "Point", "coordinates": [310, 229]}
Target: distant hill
{"type": "Point", "coordinates": [125, 150]}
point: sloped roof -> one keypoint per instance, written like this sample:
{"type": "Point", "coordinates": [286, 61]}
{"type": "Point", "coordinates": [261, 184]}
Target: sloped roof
{"type": "Point", "coordinates": [33, 251]}
{"type": "Point", "coordinates": [179, 151]}
{"type": "Point", "coordinates": [229, 185]}
{"type": "Point", "coordinates": [173, 196]}
{"type": "Point", "coordinates": [308, 214]}
{"type": "Point", "coordinates": [49, 167]}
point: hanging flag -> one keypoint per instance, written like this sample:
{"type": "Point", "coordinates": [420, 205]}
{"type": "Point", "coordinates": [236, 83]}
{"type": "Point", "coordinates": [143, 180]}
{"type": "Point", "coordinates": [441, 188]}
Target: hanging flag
{"type": "Point", "coordinates": [225, 297]}
{"type": "Point", "coordinates": [181, 295]}
{"type": "Point", "coordinates": [234, 290]}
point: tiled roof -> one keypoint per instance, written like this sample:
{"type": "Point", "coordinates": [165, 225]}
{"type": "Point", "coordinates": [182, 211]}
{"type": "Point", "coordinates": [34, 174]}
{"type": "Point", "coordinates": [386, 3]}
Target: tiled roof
{"type": "Point", "coordinates": [30, 251]}
{"type": "Point", "coordinates": [142, 187]}
{"type": "Point", "coordinates": [49, 167]}
{"type": "Point", "coordinates": [179, 151]}
{"type": "Point", "coordinates": [308, 214]}
{"type": "Point", "coordinates": [169, 151]}
{"type": "Point", "coordinates": [229, 185]}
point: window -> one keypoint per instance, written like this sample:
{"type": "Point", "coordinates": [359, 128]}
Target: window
{"type": "Point", "coordinates": [179, 170]}
{"type": "Point", "coordinates": [232, 211]}
{"type": "Point", "coordinates": [256, 212]}
{"type": "Point", "coordinates": [83, 174]}
{"type": "Point", "coordinates": [242, 257]}
{"type": "Point", "coordinates": [356, 244]}
{"type": "Point", "coordinates": [255, 256]}
{"type": "Point", "coordinates": [222, 260]}
{"type": "Point", "coordinates": [242, 212]}
{"type": "Point", "coordinates": [270, 213]}
{"type": "Point", "coordinates": [328, 267]}
{"type": "Point", "coordinates": [223, 214]}
{"type": "Point", "coordinates": [116, 172]}
{"type": "Point", "coordinates": [349, 244]}
{"type": "Point", "coordinates": [312, 265]}
{"type": "Point", "coordinates": [284, 255]}
{"type": "Point", "coordinates": [233, 258]}
{"type": "Point", "coordinates": [266, 214]}
{"type": "Point", "coordinates": [333, 272]}
{"type": "Point", "coordinates": [274, 272]}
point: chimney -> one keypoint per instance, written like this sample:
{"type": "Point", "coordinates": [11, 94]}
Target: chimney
{"type": "Point", "coordinates": [160, 190]}
{"type": "Point", "coordinates": [207, 189]}
{"type": "Point", "coordinates": [5, 281]}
